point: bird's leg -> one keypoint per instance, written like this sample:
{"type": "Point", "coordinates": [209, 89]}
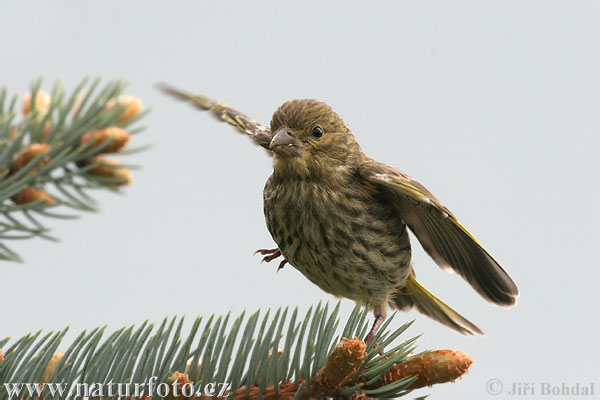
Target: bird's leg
{"type": "Point", "coordinates": [270, 255]}
{"type": "Point", "coordinates": [379, 318]}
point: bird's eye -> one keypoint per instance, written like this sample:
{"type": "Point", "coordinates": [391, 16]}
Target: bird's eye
{"type": "Point", "coordinates": [317, 131]}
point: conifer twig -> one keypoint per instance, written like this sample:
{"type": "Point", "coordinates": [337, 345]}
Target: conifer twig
{"type": "Point", "coordinates": [312, 363]}
{"type": "Point", "coordinates": [49, 149]}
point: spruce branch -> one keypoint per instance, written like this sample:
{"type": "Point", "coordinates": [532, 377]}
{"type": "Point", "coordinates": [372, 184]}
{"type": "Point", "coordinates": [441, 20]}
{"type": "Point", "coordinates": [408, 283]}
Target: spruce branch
{"type": "Point", "coordinates": [49, 153]}
{"type": "Point", "coordinates": [276, 356]}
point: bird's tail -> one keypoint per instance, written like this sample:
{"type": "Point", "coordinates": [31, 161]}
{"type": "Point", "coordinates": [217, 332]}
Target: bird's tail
{"type": "Point", "coordinates": [415, 295]}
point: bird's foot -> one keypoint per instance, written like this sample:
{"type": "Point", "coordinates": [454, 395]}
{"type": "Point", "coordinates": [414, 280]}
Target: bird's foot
{"type": "Point", "coordinates": [270, 255]}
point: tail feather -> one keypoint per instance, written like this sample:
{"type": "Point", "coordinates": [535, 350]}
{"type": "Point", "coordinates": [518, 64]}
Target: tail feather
{"type": "Point", "coordinates": [416, 295]}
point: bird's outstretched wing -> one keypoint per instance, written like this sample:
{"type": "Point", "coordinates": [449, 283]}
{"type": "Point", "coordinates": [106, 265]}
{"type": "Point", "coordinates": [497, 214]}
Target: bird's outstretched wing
{"type": "Point", "coordinates": [441, 235]}
{"type": "Point", "coordinates": [259, 133]}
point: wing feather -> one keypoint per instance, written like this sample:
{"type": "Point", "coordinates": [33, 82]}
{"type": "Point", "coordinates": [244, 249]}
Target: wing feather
{"type": "Point", "coordinates": [442, 236]}
{"type": "Point", "coordinates": [261, 134]}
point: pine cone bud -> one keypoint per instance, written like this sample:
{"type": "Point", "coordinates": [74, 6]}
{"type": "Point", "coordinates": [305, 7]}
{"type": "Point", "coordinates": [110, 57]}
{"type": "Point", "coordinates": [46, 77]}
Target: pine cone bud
{"type": "Point", "coordinates": [108, 168]}
{"type": "Point", "coordinates": [29, 195]}
{"type": "Point", "coordinates": [1, 356]}
{"type": "Point", "coordinates": [41, 102]}
{"type": "Point", "coordinates": [46, 130]}
{"type": "Point", "coordinates": [132, 106]}
{"type": "Point", "coordinates": [78, 102]}
{"type": "Point", "coordinates": [439, 366]}
{"type": "Point", "coordinates": [119, 138]}
{"type": "Point", "coordinates": [358, 395]}
{"type": "Point", "coordinates": [31, 152]}
{"type": "Point", "coordinates": [188, 365]}
{"type": "Point", "coordinates": [279, 353]}
{"type": "Point", "coordinates": [342, 363]}
{"type": "Point", "coordinates": [180, 379]}
{"type": "Point", "coordinates": [52, 365]}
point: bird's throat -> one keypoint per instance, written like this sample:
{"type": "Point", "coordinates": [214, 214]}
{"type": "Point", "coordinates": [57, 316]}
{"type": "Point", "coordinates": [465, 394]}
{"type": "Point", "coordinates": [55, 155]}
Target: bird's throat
{"type": "Point", "coordinates": [289, 167]}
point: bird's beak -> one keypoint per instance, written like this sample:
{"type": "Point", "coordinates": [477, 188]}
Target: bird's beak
{"type": "Point", "coordinates": [285, 144]}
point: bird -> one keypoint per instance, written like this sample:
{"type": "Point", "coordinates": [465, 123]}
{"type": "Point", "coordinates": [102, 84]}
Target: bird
{"type": "Point", "coordinates": [342, 219]}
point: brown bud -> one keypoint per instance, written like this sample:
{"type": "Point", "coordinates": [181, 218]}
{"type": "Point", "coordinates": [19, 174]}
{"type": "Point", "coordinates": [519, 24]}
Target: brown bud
{"type": "Point", "coordinates": [78, 102]}
{"type": "Point", "coordinates": [31, 152]}
{"type": "Point", "coordinates": [41, 102]}
{"type": "Point", "coordinates": [108, 168]}
{"type": "Point", "coordinates": [29, 195]}
{"type": "Point", "coordinates": [188, 365]}
{"type": "Point", "coordinates": [46, 130]}
{"type": "Point", "coordinates": [132, 106]}
{"type": "Point", "coordinates": [358, 395]}
{"type": "Point", "coordinates": [279, 353]}
{"type": "Point", "coordinates": [342, 363]}
{"type": "Point", "coordinates": [13, 132]}
{"type": "Point", "coordinates": [1, 356]}
{"type": "Point", "coordinates": [179, 379]}
{"type": "Point", "coordinates": [439, 366]}
{"type": "Point", "coordinates": [52, 365]}
{"type": "Point", "coordinates": [119, 138]}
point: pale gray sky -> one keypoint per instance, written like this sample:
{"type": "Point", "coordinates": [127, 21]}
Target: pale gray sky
{"type": "Point", "coordinates": [492, 105]}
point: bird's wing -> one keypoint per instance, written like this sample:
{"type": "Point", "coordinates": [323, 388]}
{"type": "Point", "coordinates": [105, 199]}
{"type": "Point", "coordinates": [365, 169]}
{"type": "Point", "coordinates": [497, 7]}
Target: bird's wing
{"type": "Point", "coordinates": [441, 235]}
{"type": "Point", "coordinates": [259, 133]}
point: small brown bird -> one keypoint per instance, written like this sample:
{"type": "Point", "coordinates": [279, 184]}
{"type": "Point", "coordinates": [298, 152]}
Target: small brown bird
{"type": "Point", "coordinates": [341, 218]}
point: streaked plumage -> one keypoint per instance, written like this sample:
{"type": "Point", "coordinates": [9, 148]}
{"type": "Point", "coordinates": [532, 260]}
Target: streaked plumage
{"type": "Point", "coordinates": [341, 218]}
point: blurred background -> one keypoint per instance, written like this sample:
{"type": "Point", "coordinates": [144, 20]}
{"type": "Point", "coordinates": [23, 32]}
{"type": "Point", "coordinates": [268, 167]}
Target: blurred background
{"type": "Point", "coordinates": [493, 106]}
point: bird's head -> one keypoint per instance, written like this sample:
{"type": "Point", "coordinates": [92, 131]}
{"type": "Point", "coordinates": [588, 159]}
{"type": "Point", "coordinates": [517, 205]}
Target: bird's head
{"type": "Point", "coordinates": [310, 139]}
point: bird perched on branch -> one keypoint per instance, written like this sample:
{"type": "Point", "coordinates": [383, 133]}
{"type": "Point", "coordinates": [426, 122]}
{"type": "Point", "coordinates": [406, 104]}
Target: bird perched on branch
{"type": "Point", "coordinates": [341, 218]}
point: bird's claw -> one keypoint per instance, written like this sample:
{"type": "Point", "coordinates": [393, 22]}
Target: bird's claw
{"type": "Point", "coordinates": [266, 251]}
{"type": "Point", "coordinates": [282, 264]}
{"type": "Point", "coordinates": [270, 255]}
